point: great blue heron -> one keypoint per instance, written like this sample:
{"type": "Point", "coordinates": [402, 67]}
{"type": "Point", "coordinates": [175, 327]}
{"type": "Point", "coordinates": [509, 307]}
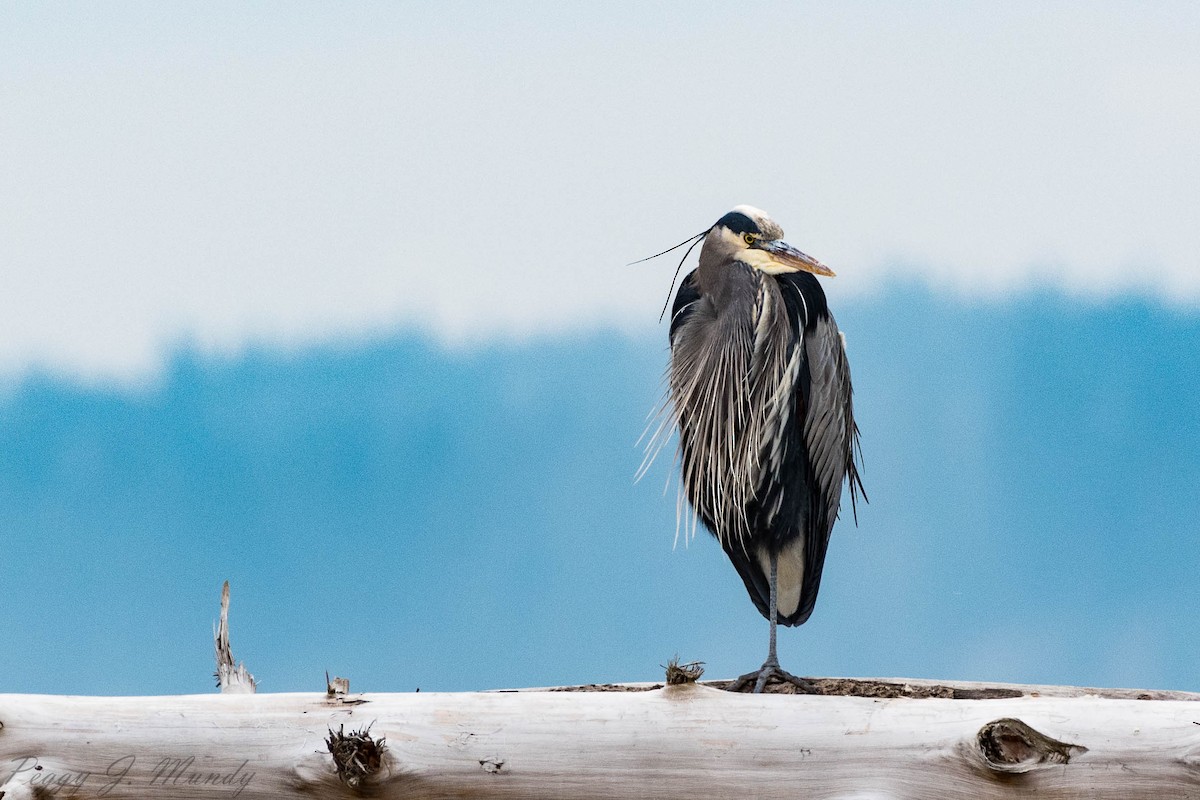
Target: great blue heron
{"type": "Point", "coordinates": [761, 395]}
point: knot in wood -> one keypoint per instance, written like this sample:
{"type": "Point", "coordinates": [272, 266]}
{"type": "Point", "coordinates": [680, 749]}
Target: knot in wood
{"type": "Point", "coordinates": [356, 755]}
{"type": "Point", "coordinates": [1009, 745]}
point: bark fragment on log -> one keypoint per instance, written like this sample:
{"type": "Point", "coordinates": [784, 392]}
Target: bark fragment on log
{"type": "Point", "coordinates": [687, 740]}
{"type": "Point", "coordinates": [915, 688]}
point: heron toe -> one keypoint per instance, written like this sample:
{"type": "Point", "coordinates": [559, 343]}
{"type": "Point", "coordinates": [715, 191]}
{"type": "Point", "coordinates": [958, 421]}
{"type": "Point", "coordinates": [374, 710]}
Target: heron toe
{"type": "Point", "coordinates": [757, 681]}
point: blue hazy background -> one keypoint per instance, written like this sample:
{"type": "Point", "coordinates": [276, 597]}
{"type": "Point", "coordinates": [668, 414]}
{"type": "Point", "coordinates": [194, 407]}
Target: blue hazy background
{"type": "Point", "coordinates": [412, 516]}
{"type": "Point", "coordinates": [329, 300]}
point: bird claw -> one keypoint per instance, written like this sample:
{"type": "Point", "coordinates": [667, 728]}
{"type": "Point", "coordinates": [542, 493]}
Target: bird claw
{"type": "Point", "coordinates": [764, 675]}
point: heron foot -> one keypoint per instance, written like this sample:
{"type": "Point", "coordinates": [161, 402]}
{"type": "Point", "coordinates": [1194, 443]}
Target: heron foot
{"type": "Point", "coordinates": [771, 673]}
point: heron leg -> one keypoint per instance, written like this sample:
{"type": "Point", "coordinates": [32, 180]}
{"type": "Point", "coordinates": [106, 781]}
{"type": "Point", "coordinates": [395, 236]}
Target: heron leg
{"type": "Point", "coordinates": [772, 662]}
{"type": "Point", "coordinates": [771, 666]}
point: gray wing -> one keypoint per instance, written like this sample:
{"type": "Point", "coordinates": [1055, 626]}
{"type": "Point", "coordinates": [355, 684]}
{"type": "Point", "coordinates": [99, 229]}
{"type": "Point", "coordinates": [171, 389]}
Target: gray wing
{"type": "Point", "coordinates": [831, 441]}
{"type": "Point", "coordinates": [822, 437]}
{"type": "Point", "coordinates": [830, 435]}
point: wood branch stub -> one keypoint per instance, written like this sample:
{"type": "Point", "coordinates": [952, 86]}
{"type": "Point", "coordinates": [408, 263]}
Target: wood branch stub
{"type": "Point", "coordinates": [683, 673]}
{"type": "Point", "coordinates": [356, 755]}
{"type": "Point", "coordinates": [336, 686]}
{"type": "Point", "coordinates": [1009, 745]}
{"type": "Point", "coordinates": [337, 691]}
{"type": "Point", "coordinates": [231, 678]}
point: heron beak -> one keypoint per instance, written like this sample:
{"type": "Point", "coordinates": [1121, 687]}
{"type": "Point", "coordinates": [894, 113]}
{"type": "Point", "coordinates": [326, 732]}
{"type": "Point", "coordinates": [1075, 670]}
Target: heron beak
{"type": "Point", "coordinates": [789, 259]}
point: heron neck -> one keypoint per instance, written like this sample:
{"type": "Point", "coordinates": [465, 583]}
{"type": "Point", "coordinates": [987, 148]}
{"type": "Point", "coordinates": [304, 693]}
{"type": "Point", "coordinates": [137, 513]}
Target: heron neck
{"type": "Point", "coordinates": [728, 284]}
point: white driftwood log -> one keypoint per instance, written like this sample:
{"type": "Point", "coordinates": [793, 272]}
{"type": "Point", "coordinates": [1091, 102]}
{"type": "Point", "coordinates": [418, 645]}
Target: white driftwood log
{"type": "Point", "coordinates": [688, 741]}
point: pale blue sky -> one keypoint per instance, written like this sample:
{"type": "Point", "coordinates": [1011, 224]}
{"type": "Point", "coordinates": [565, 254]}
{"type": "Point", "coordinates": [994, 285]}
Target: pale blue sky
{"type": "Point", "coordinates": [225, 172]}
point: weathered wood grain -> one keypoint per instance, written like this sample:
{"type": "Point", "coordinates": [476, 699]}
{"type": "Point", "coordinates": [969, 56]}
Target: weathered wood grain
{"type": "Point", "coordinates": [688, 741]}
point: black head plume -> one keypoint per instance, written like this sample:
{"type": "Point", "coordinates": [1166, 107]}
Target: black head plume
{"type": "Point", "coordinates": [694, 240]}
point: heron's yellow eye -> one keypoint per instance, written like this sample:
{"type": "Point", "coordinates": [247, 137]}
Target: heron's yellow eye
{"type": "Point", "coordinates": [748, 238]}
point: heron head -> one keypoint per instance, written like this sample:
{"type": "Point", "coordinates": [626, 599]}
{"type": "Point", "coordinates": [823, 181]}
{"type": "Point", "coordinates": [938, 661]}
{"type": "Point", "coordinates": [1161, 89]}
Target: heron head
{"type": "Point", "coordinates": [748, 235]}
